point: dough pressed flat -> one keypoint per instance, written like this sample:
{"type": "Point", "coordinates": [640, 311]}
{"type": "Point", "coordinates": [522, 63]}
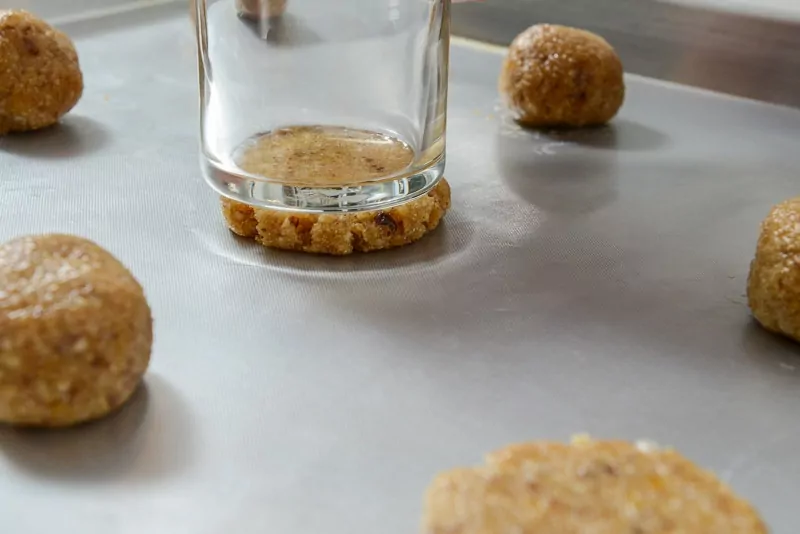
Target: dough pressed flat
{"type": "Point", "coordinates": [340, 234]}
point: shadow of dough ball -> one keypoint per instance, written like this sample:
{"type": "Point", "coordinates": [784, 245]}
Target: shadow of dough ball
{"type": "Point", "coordinates": [258, 9]}
{"type": "Point", "coordinates": [75, 331]}
{"type": "Point", "coordinates": [773, 286]}
{"type": "Point", "coordinates": [555, 76]}
{"type": "Point", "coordinates": [41, 78]}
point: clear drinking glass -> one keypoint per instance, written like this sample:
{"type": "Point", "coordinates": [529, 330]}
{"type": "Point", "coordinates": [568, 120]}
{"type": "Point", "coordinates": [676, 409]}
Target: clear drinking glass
{"type": "Point", "coordinates": [323, 105]}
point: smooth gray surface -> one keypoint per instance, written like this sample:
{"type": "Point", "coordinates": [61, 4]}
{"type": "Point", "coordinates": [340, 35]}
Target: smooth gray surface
{"type": "Point", "coordinates": [584, 282]}
{"type": "Point", "coordinates": [737, 53]}
{"type": "Point", "coordinates": [61, 9]}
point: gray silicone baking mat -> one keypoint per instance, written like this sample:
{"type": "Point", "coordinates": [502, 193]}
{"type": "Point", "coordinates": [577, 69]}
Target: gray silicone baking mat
{"type": "Point", "coordinates": [585, 282]}
{"type": "Point", "coordinates": [723, 45]}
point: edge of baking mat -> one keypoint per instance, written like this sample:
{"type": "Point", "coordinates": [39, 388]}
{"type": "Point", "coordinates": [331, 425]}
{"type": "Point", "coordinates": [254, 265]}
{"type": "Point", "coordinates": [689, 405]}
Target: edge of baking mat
{"type": "Point", "coordinates": [737, 53]}
{"type": "Point", "coordinates": [119, 14]}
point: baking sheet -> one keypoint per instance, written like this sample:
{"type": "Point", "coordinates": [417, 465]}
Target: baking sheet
{"type": "Point", "coordinates": [753, 52]}
{"type": "Point", "coordinates": [59, 11]}
{"type": "Point", "coordinates": [582, 282]}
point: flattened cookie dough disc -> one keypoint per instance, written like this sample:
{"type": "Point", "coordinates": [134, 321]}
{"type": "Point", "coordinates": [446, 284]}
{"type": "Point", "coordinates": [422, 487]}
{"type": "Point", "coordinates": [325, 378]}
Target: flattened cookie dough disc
{"type": "Point", "coordinates": [75, 331]}
{"type": "Point", "coordinates": [773, 286]}
{"type": "Point", "coordinates": [340, 234]}
{"type": "Point", "coordinates": [40, 77]}
{"type": "Point", "coordinates": [556, 76]}
{"type": "Point", "coordinates": [603, 487]}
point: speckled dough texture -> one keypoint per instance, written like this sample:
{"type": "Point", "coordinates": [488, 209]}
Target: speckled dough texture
{"type": "Point", "coordinates": [773, 286]}
{"type": "Point", "coordinates": [75, 331]}
{"type": "Point", "coordinates": [602, 487]}
{"type": "Point", "coordinates": [40, 76]}
{"type": "Point", "coordinates": [340, 234]}
{"type": "Point", "coordinates": [555, 76]}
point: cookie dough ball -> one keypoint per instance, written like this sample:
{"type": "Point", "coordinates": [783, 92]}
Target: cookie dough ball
{"type": "Point", "coordinates": [75, 331]}
{"type": "Point", "coordinates": [555, 76]}
{"type": "Point", "coordinates": [773, 286]}
{"type": "Point", "coordinates": [261, 8]}
{"type": "Point", "coordinates": [40, 77]}
{"type": "Point", "coordinates": [340, 234]}
{"type": "Point", "coordinates": [604, 487]}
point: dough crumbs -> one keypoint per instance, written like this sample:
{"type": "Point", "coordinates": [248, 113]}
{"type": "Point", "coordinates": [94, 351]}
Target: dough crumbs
{"type": "Point", "coordinates": [75, 331]}
{"type": "Point", "coordinates": [773, 284]}
{"type": "Point", "coordinates": [40, 76]}
{"type": "Point", "coordinates": [556, 76]}
{"type": "Point", "coordinates": [588, 486]}
{"type": "Point", "coordinates": [340, 234]}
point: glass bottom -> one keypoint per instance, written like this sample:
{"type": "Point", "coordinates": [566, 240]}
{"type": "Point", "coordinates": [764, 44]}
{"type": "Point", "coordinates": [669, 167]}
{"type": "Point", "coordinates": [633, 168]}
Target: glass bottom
{"type": "Point", "coordinates": [300, 168]}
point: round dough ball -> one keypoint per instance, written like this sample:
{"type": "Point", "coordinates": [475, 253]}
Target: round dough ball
{"type": "Point", "coordinates": [606, 487]}
{"type": "Point", "coordinates": [554, 76]}
{"type": "Point", "coordinates": [773, 286]}
{"type": "Point", "coordinates": [255, 8]}
{"type": "Point", "coordinates": [75, 331]}
{"type": "Point", "coordinates": [41, 78]}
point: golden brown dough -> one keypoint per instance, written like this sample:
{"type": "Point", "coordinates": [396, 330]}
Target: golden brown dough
{"type": "Point", "coordinates": [75, 331]}
{"type": "Point", "coordinates": [773, 286]}
{"type": "Point", "coordinates": [555, 76]}
{"type": "Point", "coordinates": [40, 76]}
{"type": "Point", "coordinates": [250, 9]}
{"type": "Point", "coordinates": [260, 8]}
{"type": "Point", "coordinates": [340, 234]}
{"type": "Point", "coordinates": [602, 487]}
